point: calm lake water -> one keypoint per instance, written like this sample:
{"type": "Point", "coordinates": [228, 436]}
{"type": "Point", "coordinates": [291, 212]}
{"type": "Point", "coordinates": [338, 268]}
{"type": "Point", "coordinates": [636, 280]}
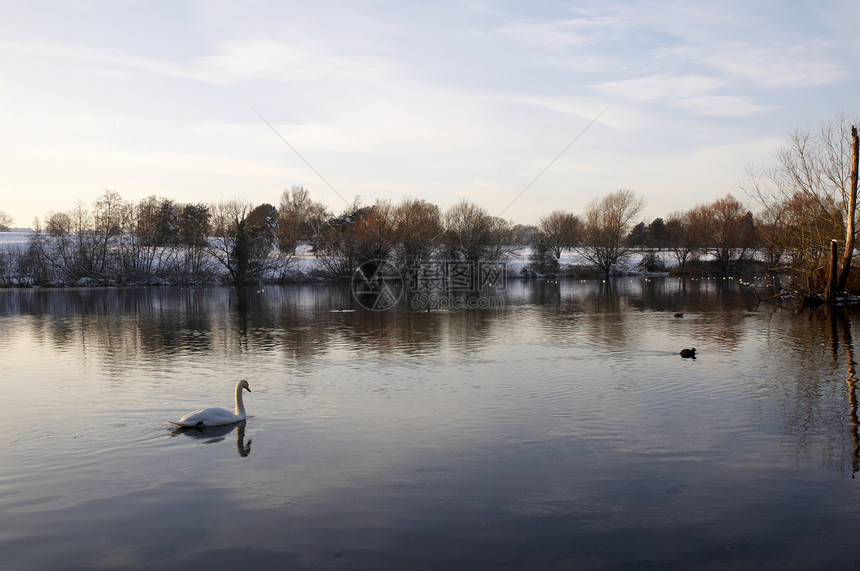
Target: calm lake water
{"type": "Point", "coordinates": [558, 429]}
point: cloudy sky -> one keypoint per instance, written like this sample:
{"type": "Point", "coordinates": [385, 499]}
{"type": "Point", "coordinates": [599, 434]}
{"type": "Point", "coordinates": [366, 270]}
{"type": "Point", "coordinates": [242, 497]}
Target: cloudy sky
{"type": "Point", "coordinates": [441, 100]}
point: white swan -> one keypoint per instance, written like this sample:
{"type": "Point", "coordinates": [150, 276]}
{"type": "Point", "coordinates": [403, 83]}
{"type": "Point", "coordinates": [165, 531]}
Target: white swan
{"type": "Point", "coordinates": [217, 416]}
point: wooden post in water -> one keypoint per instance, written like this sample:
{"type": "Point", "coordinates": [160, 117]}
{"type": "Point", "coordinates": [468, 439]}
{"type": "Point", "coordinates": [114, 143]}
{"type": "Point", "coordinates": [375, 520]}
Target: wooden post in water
{"type": "Point", "coordinates": [830, 293]}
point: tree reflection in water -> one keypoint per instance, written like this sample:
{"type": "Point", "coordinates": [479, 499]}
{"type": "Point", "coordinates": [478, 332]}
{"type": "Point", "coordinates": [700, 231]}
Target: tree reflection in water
{"type": "Point", "coordinates": [839, 318]}
{"type": "Point", "coordinates": [559, 429]}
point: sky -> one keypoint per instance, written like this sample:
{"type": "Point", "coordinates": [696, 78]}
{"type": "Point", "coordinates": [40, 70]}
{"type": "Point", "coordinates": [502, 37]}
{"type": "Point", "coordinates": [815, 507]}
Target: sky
{"type": "Point", "coordinates": [520, 107]}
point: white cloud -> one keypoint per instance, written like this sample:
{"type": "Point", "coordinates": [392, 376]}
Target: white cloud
{"type": "Point", "coordinates": [770, 65]}
{"type": "Point", "coordinates": [232, 62]}
{"type": "Point", "coordinates": [95, 54]}
{"type": "Point", "coordinates": [277, 62]}
{"type": "Point", "coordinates": [659, 87]}
{"type": "Point", "coordinates": [551, 35]}
{"type": "Point", "coordinates": [722, 106]}
{"type": "Point", "coordinates": [693, 93]}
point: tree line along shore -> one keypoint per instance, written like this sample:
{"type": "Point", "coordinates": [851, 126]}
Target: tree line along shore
{"type": "Point", "coordinates": [804, 202]}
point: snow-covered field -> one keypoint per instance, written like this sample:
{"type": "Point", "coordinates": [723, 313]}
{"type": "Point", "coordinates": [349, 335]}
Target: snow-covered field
{"type": "Point", "coordinates": [16, 239]}
{"type": "Point", "coordinates": [515, 262]}
{"type": "Point", "coordinates": [573, 259]}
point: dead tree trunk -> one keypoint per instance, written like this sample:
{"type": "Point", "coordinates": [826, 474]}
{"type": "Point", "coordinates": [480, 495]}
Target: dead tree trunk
{"type": "Point", "coordinates": [830, 293]}
{"type": "Point", "coordinates": [852, 208]}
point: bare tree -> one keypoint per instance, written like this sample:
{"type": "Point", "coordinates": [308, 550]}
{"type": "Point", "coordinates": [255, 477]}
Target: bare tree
{"type": "Point", "coordinates": [49, 248]}
{"type": "Point", "coordinates": [793, 231]}
{"type": "Point", "coordinates": [850, 226]}
{"type": "Point", "coordinates": [337, 244]}
{"type": "Point", "coordinates": [523, 234]}
{"type": "Point", "coordinates": [419, 230]}
{"type": "Point", "coordinates": [501, 239]}
{"type": "Point", "coordinates": [58, 224]}
{"type": "Point", "coordinates": [6, 221]}
{"type": "Point", "coordinates": [149, 246]}
{"type": "Point", "coordinates": [361, 237]}
{"type": "Point", "coordinates": [772, 234]}
{"type": "Point", "coordinates": [725, 230]}
{"type": "Point", "coordinates": [78, 249]}
{"type": "Point", "coordinates": [109, 213]}
{"type": "Point", "coordinates": [543, 259]}
{"type": "Point", "coordinates": [680, 237]}
{"type": "Point", "coordinates": [299, 218]}
{"type": "Point", "coordinates": [814, 168]}
{"type": "Point", "coordinates": [377, 234]}
{"type": "Point", "coordinates": [470, 231]}
{"type": "Point", "coordinates": [70, 247]}
{"type": "Point", "coordinates": [194, 224]}
{"type": "Point", "coordinates": [243, 240]}
{"type": "Point", "coordinates": [139, 246]}
{"type": "Point", "coordinates": [560, 230]}
{"type": "Point", "coordinates": [608, 221]}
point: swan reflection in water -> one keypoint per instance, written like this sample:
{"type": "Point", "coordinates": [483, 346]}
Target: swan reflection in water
{"type": "Point", "coordinates": [212, 434]}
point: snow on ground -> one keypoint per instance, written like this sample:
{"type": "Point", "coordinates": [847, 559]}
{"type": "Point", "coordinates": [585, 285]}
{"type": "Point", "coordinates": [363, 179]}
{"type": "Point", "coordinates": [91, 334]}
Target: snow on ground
{"type": "Point", "coordinates": [305, 262]}
{"type": "Point", "coordinates": [573, 259]}
{"type": "Point", "coordinates": [16, 239]}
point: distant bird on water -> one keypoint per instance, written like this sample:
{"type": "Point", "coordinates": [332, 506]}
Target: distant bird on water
{"type": "Point", "coordinates": [688, 353]}
{"type": "Point", "coordinates": [679, 315]}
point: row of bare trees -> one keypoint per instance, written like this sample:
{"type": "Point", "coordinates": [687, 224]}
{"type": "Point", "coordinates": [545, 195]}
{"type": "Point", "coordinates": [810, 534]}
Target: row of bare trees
{"type": "Point", "coordinates": [723, 231]}
{"type": "Point", "coordinates": [119, 241]}
{"type": "Point", "coordinates": [412, 232]}
{"type": "Point", "coordinates": [806, 199]}
{"type": "Point", "coordinates": [157, 239]}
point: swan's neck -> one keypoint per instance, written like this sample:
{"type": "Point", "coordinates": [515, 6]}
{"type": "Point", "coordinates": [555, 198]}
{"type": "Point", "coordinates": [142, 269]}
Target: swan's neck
{"type": "Point", "coordinates": [240, 406]}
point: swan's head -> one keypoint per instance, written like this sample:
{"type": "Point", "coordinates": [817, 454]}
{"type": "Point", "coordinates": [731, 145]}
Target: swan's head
{"type": "Point", "coordinates": [243, 384]}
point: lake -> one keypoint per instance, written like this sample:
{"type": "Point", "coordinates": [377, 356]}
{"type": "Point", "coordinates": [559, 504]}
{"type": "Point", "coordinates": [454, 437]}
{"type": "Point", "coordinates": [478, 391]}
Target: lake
{"type": "Point", "coordinates": [555, 428]}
